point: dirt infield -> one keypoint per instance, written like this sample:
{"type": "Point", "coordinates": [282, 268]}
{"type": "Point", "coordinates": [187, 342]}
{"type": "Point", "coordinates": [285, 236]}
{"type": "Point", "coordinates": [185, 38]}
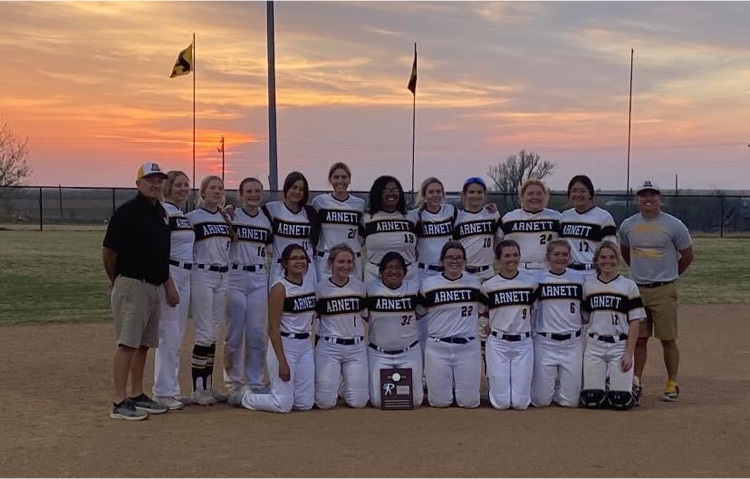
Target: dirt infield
{"type": "Point", "coordinates": [56, 389]}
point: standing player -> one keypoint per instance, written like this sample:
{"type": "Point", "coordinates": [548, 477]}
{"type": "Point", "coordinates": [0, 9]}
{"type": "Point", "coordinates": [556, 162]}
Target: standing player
{"type": "Point", "coordinates": [291, 307]}
{"type": "Point", "coordinates": [340, 350]}
{"type": "Point", "coordinates": [294, 222]}
{"type": "Point", "coordinates": [475, 228]}
{"type": "Point", "coordinates": [386, 228]}
{"type": "Point", "coordinates": [340, 215]}
{"type": "Point", "coordinates": [433, 222]}
{"type": "Point", "coordinates": [510, 355]}
{"type": "Point", "coordinates": [558, 349]}
{"type": "Point", "coordinates": [658, 248]}
{"type": "Point", "coordinates": [391, 305]}
{"type": "Point", "coordinates": [585, 225]}
{"type": "Point", "coordinates": [452, 356]}
{"type": "Point", "coordinates": [174, 315]}
{"type": "Point", "coordinates": [533, 225]}
{"type": "Point", "coordinates": [245, 340]}
{"type": "Point", "coordinates": [209, 283]}
{"type": "Point", "coordinates": [613, 304]}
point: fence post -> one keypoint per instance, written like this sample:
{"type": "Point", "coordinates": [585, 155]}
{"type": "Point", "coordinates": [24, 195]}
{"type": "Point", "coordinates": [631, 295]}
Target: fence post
{"type": "Point", "coordinates": [41, 211]}
{"type": "Point", "coordinates": [721, 224]}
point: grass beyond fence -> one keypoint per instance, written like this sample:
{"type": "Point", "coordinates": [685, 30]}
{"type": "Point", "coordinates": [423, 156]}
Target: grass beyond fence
{"type": "Point", "coordinates": [57, 276]}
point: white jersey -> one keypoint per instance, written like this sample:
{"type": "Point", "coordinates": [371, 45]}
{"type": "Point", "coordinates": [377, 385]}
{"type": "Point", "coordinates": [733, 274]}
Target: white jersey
{"type": "Point", "coordinates": [532, 232]}
{"type": "Point", "coordinates": [612, 305]}
{"type": "Point", "coordinates": [558, 307]}
{"type": "Point", "coordinates": [510, 302]}
{"type": "Point", "coordinates": [340, 308]}
{"type": "Point", "coordinates": [586, 231]}
{"type": "Point", "coordinates": [181, 234]}
{"type": "Point", "coordinates": [213, 235]}
{"type": "Point", "coordinates": [289, 228]}
{"type": "Point", "coordinates": [393, 321]}
{"type": "Point", "coordinates": [452, 305]}
{"type": "Point", "coordinates": [253, 234]}
{"type": "Point", "coordinates": [339, 221]}
{"type": "Point", "coordinates": [433, 231]}
{"type": "Point", "coordinates": [476, 232]}
{"type": "Point", "coordinates": [299, 307]}
{"type": "Point", "coordinates": [384, 232]}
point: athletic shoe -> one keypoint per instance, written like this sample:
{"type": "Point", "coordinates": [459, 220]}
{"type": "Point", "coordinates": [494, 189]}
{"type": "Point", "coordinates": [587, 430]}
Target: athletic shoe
{"type": "Point", "coordinates": [171, 402]}
{"type": "Point", "coordinates": [671, 392]}
{"type": "Point", "coordinates": [218, 396]}
{"type": "Point", "coordinates": [126, 410]}
{"type": "Point", "coordinates": [236, 398]}
{"type": "Point", "coordinates": [186, 400]}
{"type": "Point", "coordinates": [145, 403]}
{"type": "Point", "coordinates": [203, 397]}
{"type": "Point", "coordinates": [637, 390]}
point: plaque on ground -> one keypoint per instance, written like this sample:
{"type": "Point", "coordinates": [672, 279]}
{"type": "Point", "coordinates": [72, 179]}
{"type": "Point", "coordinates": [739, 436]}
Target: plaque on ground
{"type": "Point", "coordinates": [396, 389]}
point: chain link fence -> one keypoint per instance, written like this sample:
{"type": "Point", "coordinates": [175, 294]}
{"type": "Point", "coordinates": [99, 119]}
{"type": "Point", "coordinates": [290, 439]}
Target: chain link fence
{"type": "Point", "coordinates": [37, 207]}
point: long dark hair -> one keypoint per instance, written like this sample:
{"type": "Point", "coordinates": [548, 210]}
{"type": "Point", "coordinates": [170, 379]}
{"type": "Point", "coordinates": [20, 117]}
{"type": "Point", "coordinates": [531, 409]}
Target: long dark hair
{"type": "Point", "coordinates": [291, 179]}
{"type": "Point", "coordinates": [390, 256]}
{"type": "Point", "coordinates": [376, 195]}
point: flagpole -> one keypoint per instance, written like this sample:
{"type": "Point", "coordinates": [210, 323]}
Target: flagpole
{"type": "Point", "coordinates": [273, 174]}
{"type": "Point", "coordinates": [194, 73]}
{"type": "Point", "coordinates": [413, 126]}
{"type": "Point", "coordinates": [630, 109]}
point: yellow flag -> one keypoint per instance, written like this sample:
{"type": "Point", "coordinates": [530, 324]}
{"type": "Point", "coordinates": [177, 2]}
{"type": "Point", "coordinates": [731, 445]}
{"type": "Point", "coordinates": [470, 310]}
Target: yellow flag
{"type": "Point", "coordinates": [184, 63]}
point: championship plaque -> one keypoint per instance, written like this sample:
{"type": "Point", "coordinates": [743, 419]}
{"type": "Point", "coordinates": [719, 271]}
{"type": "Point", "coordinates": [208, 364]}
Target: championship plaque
{"type": "Point", "coordinates": [396, 389]}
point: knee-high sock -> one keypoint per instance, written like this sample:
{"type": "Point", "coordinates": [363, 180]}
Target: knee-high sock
{"type": "Point", "coordinates": [199, 366]}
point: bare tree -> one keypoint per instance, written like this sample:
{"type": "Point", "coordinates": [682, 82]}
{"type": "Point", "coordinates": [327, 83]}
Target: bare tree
{"type": "Point", "coordinates": [509, 175]}
{"type": "Point", "coordinates": [14, 156]}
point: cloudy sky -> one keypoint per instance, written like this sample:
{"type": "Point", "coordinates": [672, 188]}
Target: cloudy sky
{"type": "Point", "coordinates": [88, 83]}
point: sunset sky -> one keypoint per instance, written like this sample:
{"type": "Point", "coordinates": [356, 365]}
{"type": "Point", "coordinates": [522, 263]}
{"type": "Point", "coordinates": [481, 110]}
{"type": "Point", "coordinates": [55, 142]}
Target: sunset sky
{"type": "Point", "coordinates": [88, 83]}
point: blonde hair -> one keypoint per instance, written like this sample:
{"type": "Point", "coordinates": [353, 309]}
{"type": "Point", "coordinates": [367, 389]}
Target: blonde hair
{"type": "Point", "coordinates": [339, 166]}
{"type": "Point", "coordinates": [534, 182]}
{"type": "Point", "coordinates": [169, 183]}
{"type": "Point", "coordinates": [421, 196]}
{"type": "Point", "coordinates": [204, 187]}
{"type": "Point", "coordinates": [610, 246]}
{"type": "Point", "coordinates": [558, 242]}
{"type": "Point", "coordinates": [338, 249]}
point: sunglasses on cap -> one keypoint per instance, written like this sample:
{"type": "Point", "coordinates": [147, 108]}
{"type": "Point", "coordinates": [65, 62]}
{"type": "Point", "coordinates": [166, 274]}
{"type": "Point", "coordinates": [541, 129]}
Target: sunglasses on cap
{"type": "Point", "coordinates": [474, 179]}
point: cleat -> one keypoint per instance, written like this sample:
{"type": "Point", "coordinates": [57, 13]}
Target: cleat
{"type": "Point", "coordinates": [203, 397]}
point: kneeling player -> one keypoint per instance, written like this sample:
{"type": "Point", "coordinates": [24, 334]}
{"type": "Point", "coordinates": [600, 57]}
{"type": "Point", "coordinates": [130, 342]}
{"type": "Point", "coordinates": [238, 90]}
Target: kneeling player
{"type": "Point", "coordinates": [391, 305]}
{"type": "Point", "coordinates": [614, 305]}
{"type": "Point", "coordinates": [510, 295]}
{"type": "Point", "coordinates": [452, 355]}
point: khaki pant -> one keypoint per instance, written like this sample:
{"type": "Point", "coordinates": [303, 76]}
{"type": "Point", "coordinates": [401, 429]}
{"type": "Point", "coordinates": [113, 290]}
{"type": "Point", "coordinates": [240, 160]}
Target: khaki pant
{"type": "Point", "coordinates": [136, 307]}
{"type": "Point", "coordinates": [661, 312]}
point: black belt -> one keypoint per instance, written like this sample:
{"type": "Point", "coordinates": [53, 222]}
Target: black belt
{"type": "Point", "coordinates": [609, 339]}
{"type": "Point", "coordinates": [211, 267]}
{"type": "Point", "coordinates": [394, 351]}
{"type": "Point", "coordinates": [561, 337]}
{"type": "Point", "coordinates": [322, 254]}
{"type": "Point", "coordinates": [430, 267]}
{"type": "Point", "coordinates": [252, 268]}
{"type": "Point", "coordinates": [476, 269]}
{"type": "Point", "coordinates": [183, 265]}
{"type": "Point", "coordinates": [655, 285]}
{"type": "Point", "coordinates": [295, 335]}
{"type": "Point", "coordinates": [345, 342]}
{"type": "Point", "coordinates": [510, 337]}
{"type": "Point", "coordinates": [582, 266]}
{"type": "Point", "coordinates": [455, 340]}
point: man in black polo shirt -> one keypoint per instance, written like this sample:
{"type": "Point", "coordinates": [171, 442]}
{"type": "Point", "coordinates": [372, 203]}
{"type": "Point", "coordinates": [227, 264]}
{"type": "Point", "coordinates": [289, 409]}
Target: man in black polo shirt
{"type": "Point", "coordinates": [136, 259]}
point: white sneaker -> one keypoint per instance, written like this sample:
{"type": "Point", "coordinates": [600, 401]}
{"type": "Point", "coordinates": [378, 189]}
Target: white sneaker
{"type": "Point", "coordinates": [171, 402]}
{"type": "Point", "coordinates": [203, 397]}
{"type": "Point", "coordinates": [236, 398]}
{"type": "Point", "coordinates": [218, 396]}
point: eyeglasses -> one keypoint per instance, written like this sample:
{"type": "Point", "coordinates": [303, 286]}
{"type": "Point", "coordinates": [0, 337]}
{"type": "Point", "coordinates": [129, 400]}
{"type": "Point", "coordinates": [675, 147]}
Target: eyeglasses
{"type": "Point", "coordinates": [451, 258]}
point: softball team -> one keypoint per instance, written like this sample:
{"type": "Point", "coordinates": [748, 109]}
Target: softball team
{"type": "Point", "coordinates": [437, 275]}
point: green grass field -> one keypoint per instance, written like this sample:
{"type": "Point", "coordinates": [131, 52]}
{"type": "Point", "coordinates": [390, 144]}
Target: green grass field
{"type": "Point", "coordinates": [57, 276]}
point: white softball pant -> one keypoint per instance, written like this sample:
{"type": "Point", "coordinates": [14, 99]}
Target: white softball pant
{"type": "Point", "coordinates": [208, 301]}
{"type": "Point", "coordinates": [509, 369]}
{"type": "Point", "coordinates": [299, 391]}
{"type": "Point", "coordinates": [408, 359]}
{"type": "Point", "coordinates": [334, 361]}
{"type": "Point", "coordinates": [171, 332]}
{"type": "Point", "coordinates": [453, 366]}
{"type": "Point", "coordinates": [324, 270]}
{"type": "Point", "coordinates": [602, 359]}
{"type": "Point", "coordinates": [372, 273]}
{"type": "Point", "coordinates": [557, 362]}
{"type": "Point", "coordinates": [245, 340]}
